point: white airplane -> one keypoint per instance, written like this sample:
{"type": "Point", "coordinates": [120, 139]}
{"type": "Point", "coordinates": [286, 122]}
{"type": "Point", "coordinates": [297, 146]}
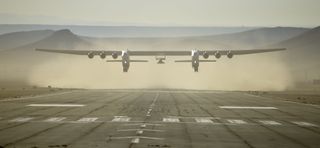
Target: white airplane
{"type": "Point", "coordinates": [161, 55]}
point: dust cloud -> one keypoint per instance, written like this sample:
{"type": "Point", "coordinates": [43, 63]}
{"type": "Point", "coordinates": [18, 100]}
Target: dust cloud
{"type": "Point", "coordinates": [247, 72]}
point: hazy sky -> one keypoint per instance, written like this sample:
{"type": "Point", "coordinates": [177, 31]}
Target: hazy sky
{"type": "Point", "coordinates": [163, 12]}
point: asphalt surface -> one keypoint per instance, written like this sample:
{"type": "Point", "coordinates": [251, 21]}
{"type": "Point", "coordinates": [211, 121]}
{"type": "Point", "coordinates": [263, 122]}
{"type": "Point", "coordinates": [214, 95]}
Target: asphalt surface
{"type": "Point", "coordinates": [140, 119]}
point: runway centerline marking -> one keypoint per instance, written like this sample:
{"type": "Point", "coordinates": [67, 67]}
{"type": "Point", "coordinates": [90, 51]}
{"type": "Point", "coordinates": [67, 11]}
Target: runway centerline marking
{"type": "Point", "coordinates": [137, 129]}
{"type": "Point", "coordinates": [208, 117]}
{"type": "Point", "coordinates": [55, 119]}
{"type": "Point", "coordinates": [246, 107]}
{"type": "Point", "coordinates": [56, 105]}
{"type": "Point", "coordinates": [21, 119]}
{"type": "Point", "coordinates": [170, 119]}
{"type": "Point", "coordinates": [236, 121]}
{"type": "Point", "coordinates": [152, 105]}
{"type": "Point", "coordinates": [300, 123]}
{"type": "Point", "coordinates": [269, 122]}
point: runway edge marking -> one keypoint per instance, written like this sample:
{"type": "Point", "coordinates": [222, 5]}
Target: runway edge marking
{"type": "Point", "coordinates": [269, 122]}
{"type": "Point", "coordinates": [21, 119]}
{"type": "Point", "coordinates": [170, 119]}
{"type": "Point", "coordinates": [120, 119]}
{"type": "Point", "coordinates": [247, 107]}
{"type": "Point", "coordinates": [35, 97]}
{"type": "Point", "coordinates": [55, 119]}
{"type": "Point", "coordinates": [203, 120]}
{"type": "Point", "coordinates": [85, 120]}
{"type": "Point", "coordinates": [302, 123]}
{"type": "Point", "coordinates": [56, 105]}
{"type": "Point", "coordinates": [236, 121]}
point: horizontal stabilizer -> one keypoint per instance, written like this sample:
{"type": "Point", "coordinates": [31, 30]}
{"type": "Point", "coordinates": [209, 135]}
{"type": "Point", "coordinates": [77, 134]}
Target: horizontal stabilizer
{"type": "Point", "coordinates": [182, 61]}
{"type": "Point", "coordinates": [138, 60]}
{"type": "Point", "coordinates": [130, 60]}
{"type": "Point", "coordinates": [207, 60]}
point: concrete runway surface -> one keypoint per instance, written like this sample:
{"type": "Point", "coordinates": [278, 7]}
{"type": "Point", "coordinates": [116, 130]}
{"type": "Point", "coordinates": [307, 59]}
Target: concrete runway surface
{"type": "Point", "coordinates": [167, 119]}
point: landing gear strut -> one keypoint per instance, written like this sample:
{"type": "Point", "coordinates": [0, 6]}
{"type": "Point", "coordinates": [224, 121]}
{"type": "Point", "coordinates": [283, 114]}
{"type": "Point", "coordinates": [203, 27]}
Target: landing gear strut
{"type": "Point", "coordinates": [196, 69]}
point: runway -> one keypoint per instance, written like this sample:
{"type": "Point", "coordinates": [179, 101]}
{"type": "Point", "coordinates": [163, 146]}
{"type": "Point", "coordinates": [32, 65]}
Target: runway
{"type": "Point", "coordinates": [157, 118]}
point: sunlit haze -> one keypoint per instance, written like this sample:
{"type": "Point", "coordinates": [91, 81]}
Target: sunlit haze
{"type": "Point", "coordinates": [301, 13]}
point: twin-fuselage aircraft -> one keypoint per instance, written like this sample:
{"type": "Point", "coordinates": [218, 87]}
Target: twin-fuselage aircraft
{"type": "Point", "coordinates": [161, 55]}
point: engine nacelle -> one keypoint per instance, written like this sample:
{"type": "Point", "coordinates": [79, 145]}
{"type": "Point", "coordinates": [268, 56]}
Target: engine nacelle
{"type": "Point", "coordinates": [114, 55]}
{"type": "Point", "coordinates": [90, 55]}
{"type": "Point", "coordinates": [217, 55]}
{"type": "Point", "coordinates": [102, 55]}
{"type": "Point", "coordinates": [229, 55]}
{"type": "Point", "coordinates": [205, 55]}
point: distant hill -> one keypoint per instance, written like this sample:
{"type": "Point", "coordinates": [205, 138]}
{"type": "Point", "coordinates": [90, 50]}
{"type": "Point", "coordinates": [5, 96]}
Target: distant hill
{"type": "Point", "coordinates": [26, 54]}
{"type": "Point", "coordinates": [61, 39]}
{"type": "Point", "coordinates": [303, 54]}
{"type": "Point", "coordinates": [258, 37]}
{"type": "Point", "coordinates": [303, 47]}
{"type": "Point", "coordinates": [67, 39]}
{"type": "Point", "coordinates": [309, 40]}
{"type": "Point", "coordinates": [127, 31]}
{"type": "Point", "coordinates": [19, 62]}
{"type": "Point", "coordinates": [16, 39]}
{"type": "Point", "coordinates": [248, 39]}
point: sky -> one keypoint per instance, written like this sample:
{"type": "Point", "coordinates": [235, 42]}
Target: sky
{"type": "Point", "coordinates": [299, 13]}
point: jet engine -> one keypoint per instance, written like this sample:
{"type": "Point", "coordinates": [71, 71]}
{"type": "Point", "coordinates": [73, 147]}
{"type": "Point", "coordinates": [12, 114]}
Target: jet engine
{"type": "Point", "coordinates": [114, 55]}
{"type": "Point", "coordinates": [205, 55]}
{"type": "Point", "coordinates": [102, 55]}
{"type": "Point", "coordinates": [217, 55]}
{"type": "Point", "coordinates": [90, 55]}
{"type": "Point", "coordinates": [229, 55]}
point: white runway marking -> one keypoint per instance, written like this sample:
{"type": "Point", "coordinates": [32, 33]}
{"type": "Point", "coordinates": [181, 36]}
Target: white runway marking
{"type": "Point", "coordinates": [149, 130]}
{"type": "Point", "coordinates": [143, 125]}
{"type": "Point", "coordinates": [152, 105]}
{"type": "Point", "coordinates": [171, 119]}
{"type": "Point", "coordinates": [304, 123]}
{"type": "Point", "coordinates": [269, 122]}
{"type": "Point", "coordinates": [36, 97]}
{"type": "Point", "coordinates": [139, 132]}
{"type": "Point", "coordinates": [203, 120]}
{"type": "Point", "coordinates": [207, 117]}
{"type": "Point", "coordinates": [142, 137]}
{"type": "Point", "coordinates": [121, 119]}
{"type": "Point", "coordinates": [135, 140]}
{"type": "Point", "coordinates": [246, 107]}
{"type": "Point", "coordinates": [87, 119]}
{"type": "Point", "coordinates": [56, 105]}
{"type": "Point", "coordinates": [55, 119]}
{"type": "Point", "coordinates": [21, 119]}
{"type": "Point", "coordinates": [234, 121]}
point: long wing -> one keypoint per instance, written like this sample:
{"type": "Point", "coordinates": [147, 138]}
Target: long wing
{"type": "Point", "coordinates": [241, 52]}
{"type": "Point", "coordinates": [160, 53]}
{"type": "Point", "coordinates": [110, 52]}
{"type": "Point", "coordinates": [80, 52]}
